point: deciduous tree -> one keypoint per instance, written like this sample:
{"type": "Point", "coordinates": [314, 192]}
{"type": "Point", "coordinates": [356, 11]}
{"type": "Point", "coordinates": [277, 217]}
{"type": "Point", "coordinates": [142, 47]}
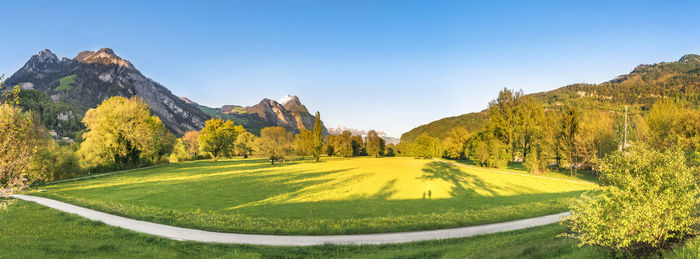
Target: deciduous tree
{"type": "Point", "coordinates": [648, 200]}
{"type": "Point", "coordinates": [191, 141]}
{"type": "Point", "coordinates": [375, 144]}
{"type": "Point", "coordinates": [455, 144]}
{"type": "Point", "coordinates": [274, 142]}
{"type": "Point", "coordinates": [426, 146]}
{"type": "Point", "coordinates": [217, 137]}
{"type": "Point", "coordinates": [568, 136]}
{"type": "Point", "coordinates": [244, 144]}
{"type": "Point", "coordinates": [21, 135]}
{"type": "Point", "coordinates": [122, 131]}
{"type": "Point", "coordinates": [304, 143]}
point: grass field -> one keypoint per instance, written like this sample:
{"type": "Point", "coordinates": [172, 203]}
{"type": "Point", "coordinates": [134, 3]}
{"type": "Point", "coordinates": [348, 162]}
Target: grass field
{"type": "Point", "coordinates": [66, 83]}
{"type": "Point", "coordinates": [28, 230]}
{"type": "Point", "coordinates": [335, 196]}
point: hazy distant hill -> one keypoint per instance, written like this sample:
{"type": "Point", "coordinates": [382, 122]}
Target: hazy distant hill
{"type": "Point", "coordinates": [339, 129]}
{"type": "Point", "coordinates": [639, 89]}
{"type": "Point", "coordinates": [78, 84]}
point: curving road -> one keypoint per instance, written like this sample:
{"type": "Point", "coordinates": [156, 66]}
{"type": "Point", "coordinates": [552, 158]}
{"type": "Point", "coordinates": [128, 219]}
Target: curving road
{"type": "Point", "coordinates": [187, 234]}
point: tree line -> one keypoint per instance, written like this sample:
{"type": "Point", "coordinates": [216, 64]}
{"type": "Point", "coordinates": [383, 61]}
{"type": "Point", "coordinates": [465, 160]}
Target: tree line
{"type": "Point", "coordinates": [521, 129]}
{"type": "Point", "coordinates": [122, 133]}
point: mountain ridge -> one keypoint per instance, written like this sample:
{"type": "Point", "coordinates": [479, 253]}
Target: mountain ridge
{"type": "Point", "coordinates": [91, 77]}
{"type": "Point", "coordinates": [292, 114]}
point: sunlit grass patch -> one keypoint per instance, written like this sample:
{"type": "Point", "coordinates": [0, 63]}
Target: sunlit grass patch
{"type": "Point", "coordinates": [66, 83]}
{"type": "Point", "coordinates": [337, 195]}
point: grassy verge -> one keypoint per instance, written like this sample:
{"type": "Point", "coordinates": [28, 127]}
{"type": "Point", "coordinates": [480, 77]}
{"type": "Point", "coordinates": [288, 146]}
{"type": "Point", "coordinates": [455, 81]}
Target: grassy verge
{"type": "Point", "coordinates": [337, 196]}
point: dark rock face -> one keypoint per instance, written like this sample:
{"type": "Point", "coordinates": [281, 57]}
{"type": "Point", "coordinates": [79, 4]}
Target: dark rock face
{"type": "Point", "coordinates": [98, 76]}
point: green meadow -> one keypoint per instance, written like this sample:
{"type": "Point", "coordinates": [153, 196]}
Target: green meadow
{"type": "Point", "coordinates": [335, 196]}
{"type": "Point", "coordinates": [33, 231]}
{"type": "Point", "coordinates": [66, 83]}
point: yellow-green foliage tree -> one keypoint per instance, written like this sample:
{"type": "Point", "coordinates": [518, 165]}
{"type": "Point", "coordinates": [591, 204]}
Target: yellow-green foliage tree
{"type": "Point", "coordinates": [375, 145]}
{"type": "Point", "coordinates": [341, 145]}
{"type": "Point", "coordinates": [529, 127]}
{"type": "Point", "coordinates": [569, 139]}
{"type": "Point", "coordinates": [56, 161]}
{"type": "Point", "coordinates": [179, 152]}
{"type": "Point", "coordinates": [487, 150]}
{"type": "Point", "coordinates": [274, 142]}
{"type": "Point", "coordinates": [672, 126]}
{"type": "Point", "coordinates": [648, 200]}
{"type": "Point", "coordinates": [218, 137]}
{"type": "Point", "coordinates": [503, 118]}
{"type": "Point", "coordinates": [426, 147]}
{"type": "Point", "coordinates": [21, 136]}
{"type": "Point", "coordinates": [122, 131]}
{"type": "Point", "coordinates": [597, 136]}
{"type": "Point", "coordinates": [191, 141]}
{"type": "Point", "coordinates": [244, 144]}
{"type": "Point", "coordinates": [455, 144]}
{"type": "Point", "coordinates": [303, 143]}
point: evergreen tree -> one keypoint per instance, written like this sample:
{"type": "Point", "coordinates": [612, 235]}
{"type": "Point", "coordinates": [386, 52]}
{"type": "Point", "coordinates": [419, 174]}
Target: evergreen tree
{"type": "Point", "coordinates": [317, 137]}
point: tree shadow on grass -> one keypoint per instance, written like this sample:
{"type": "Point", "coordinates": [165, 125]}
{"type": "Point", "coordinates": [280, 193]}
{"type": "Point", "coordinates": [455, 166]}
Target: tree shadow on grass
{"type": "Point", "coordinates": [465, 184]}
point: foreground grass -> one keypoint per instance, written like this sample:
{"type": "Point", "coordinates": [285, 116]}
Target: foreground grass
{"type": "Point", "coordinates": [337, 196]}
{"type": "Point", "coordinates": [28, 230]}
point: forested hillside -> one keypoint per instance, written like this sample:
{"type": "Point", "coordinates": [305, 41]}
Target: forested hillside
{"type": "Point", "coordinates": [439, 128]}
{"type": "Point", "coordinates": [639, 90]}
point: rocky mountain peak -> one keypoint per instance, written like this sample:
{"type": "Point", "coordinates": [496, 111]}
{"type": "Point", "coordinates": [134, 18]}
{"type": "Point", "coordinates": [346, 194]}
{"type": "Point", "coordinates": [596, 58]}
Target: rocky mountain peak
{"type": "Point", "coordinates": [690, 58]}
{"type": "Point", "coordinates": [46, 56]}
{"type": "Point", "coordinates": [44, 61]}
{"type": "Point", "coordinates": [103, 56]}
{"type": "Point", "coordinates": [107, 51]}
{"type": "Point", "coordinates": [289, 99]}
{"type": "Point", "coordinates": [99, 75]}
{"type": "Point", "coordinates": [187, 100]}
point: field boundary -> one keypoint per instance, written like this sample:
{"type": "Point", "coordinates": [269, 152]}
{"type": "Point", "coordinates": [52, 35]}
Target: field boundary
{"type": "Point", "coordinates": [187, 234]}
{"type": "Point", "coordinates": [100, 175]}
{"type": "Point", "coordinates": [511, 173]}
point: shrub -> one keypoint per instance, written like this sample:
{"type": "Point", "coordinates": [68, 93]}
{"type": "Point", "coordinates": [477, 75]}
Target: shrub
{"type": "Point", "coordinates": [57, 162]}
{"type": "Point", "coordinates": [648, 201]}
{"type": "Point", "coordinates": [179, 152]}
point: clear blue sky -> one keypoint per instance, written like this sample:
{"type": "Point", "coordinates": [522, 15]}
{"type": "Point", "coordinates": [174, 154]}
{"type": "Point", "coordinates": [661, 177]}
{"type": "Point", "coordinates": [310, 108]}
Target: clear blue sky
{"type": "Point", "coordinates": [386, 65]}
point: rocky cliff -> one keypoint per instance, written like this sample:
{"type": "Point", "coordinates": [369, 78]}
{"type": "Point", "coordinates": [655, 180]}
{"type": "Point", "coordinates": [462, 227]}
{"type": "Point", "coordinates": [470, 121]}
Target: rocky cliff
{"type": "Point", "coordinates": [289, 113]}
{"type": "Point", "coordinates": [91, 77]}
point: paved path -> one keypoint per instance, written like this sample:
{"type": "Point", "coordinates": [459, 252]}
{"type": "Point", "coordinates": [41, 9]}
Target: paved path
{"type": "Point", "coordinates": [186, 234]}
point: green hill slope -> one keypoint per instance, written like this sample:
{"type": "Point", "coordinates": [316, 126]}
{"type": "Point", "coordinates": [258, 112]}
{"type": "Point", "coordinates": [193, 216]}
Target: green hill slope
{"type": "Point", "coordinates": [638, 89]}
